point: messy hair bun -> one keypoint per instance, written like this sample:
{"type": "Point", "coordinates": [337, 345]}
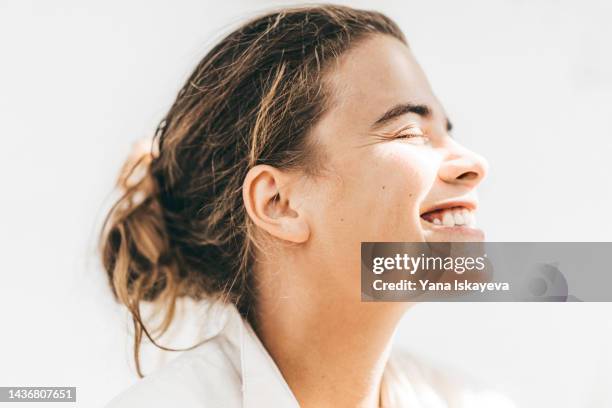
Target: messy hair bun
{"type": "Point", "coordinates": [135, 245]}
{"type": "Point", "coordinates": [180, 227]}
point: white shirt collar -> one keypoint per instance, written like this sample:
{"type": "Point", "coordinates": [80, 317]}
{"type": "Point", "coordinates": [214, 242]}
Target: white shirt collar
{"type": "Point", "coordinates": [233, 368]}
{"type": "Point", "coordinates": [405, 383]}
{"type": "Point", "coordinates": [262, 382]}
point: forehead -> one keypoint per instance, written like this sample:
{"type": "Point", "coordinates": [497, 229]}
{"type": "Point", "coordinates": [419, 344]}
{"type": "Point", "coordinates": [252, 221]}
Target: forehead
{"type": "Point", "coordinates": [376, 74]}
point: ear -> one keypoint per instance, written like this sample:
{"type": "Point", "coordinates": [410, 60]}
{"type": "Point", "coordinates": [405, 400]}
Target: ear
{"type": "Point", "coordinates": [268, 199]}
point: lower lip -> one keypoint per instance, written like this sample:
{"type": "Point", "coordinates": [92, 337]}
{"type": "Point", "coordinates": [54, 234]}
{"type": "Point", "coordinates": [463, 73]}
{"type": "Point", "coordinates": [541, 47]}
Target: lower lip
{"type": "Point", "coordinates": [473, 233]}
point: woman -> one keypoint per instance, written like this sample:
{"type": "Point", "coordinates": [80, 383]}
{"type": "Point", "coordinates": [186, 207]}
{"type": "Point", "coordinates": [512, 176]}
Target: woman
{"type": "Point", "coordinates": [301, 134]}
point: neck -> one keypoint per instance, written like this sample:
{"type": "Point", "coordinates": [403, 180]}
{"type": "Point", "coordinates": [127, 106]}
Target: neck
{"type": "Point", "coordinates": [330, 352]}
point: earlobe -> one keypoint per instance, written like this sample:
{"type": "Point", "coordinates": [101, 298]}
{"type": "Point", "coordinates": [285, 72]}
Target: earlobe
{"type": "Point", "coordinates": [267, 199]}
{"type": "Point", "coordinates": [297, 230]}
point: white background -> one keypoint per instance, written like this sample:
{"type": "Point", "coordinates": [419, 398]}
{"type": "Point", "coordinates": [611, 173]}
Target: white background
{"type": "Point", "coordinates": [527, 84]}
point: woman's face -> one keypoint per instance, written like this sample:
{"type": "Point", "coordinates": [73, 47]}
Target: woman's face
{"type": "Point", "coordinates": [390, 159]}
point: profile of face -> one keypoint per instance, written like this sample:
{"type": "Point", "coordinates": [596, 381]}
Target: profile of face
{"type": "Point", "coordinates": [322, 121]}
{"type": "Point", "coordinates": [392, 170]}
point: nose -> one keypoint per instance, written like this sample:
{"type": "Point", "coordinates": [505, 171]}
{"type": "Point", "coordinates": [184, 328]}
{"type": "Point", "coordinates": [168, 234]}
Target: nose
{"type": "Point", "coordinates": [462, 166]}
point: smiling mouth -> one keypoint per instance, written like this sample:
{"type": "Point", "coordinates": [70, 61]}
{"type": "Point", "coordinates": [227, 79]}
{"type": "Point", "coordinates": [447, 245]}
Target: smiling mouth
{"type": "Point", "coordinates": [458, 216]}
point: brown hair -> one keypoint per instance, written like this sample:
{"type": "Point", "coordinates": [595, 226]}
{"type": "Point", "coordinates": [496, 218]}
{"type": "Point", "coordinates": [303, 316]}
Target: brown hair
{"type": "Point", "coordinates": [181, 229]}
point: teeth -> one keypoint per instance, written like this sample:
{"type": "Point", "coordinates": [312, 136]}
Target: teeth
{"type": "Point", "coordinates": [468, 217]}
{"type": "Point", "coordinates": [447, 219]}
{"type": "Point", "coordinates": [458, 217]}
{"type": "Point", "coordinates": [453, 217]}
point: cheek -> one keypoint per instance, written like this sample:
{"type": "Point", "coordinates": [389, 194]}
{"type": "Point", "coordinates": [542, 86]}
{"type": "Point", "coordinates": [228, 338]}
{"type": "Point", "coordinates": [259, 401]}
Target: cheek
{"type": "Point", "coordinates": [404, 176]}
{"type": "Point", "coordinates": [374, 197]}
{"type": "Point", "coordinates": [377, 194]}
{"type": "Point", "coordinates": [407, 172]}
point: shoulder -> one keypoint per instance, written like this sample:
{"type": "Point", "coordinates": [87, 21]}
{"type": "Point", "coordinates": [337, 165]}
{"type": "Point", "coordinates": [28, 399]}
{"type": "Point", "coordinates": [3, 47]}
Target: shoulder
{"type": "Point", "coordinates": [425, 382]}
{"type": "Point", "coordinates": [203, 377]}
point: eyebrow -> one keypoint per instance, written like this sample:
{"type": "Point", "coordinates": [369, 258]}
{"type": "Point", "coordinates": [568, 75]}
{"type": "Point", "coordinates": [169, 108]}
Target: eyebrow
{"type": "Point", "coordinates": [404, 108]}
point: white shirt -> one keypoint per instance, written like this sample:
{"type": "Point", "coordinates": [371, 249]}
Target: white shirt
{"type": "Point", "coordinates": [233, 369]}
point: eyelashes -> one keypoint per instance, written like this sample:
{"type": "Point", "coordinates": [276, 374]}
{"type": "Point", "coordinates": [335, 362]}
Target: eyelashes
{"type": "Point", "coordinates": [409, 135]}
{"type": "Point", "coordinates": [411, 132]}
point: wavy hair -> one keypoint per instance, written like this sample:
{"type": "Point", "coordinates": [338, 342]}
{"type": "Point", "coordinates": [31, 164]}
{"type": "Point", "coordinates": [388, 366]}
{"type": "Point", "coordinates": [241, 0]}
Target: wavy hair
{"type": "Point", "coordinates": [180, 228]}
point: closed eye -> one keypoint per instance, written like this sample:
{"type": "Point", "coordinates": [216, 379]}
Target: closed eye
{"type": "Point", "coordinates": [409, 135]}
{"type": "Point", "coordinates": [412, 133]}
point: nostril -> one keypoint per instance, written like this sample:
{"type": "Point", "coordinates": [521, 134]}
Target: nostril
{"type": "Point", "coordinates": [468, 175]}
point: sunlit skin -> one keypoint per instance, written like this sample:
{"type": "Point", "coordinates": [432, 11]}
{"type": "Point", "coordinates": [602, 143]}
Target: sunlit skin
{"type": "Point", "coordinates": [380, 176]}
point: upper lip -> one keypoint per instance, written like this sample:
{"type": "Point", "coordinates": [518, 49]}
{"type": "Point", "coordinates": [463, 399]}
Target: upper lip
{"type": "Point", "coordinates": [469, 204]}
